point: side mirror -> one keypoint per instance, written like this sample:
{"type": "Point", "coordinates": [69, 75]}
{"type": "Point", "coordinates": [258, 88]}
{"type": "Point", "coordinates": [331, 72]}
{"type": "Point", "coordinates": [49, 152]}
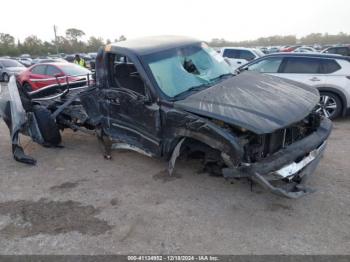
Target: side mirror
{"type": "Point", "coordinates": [58, 75]}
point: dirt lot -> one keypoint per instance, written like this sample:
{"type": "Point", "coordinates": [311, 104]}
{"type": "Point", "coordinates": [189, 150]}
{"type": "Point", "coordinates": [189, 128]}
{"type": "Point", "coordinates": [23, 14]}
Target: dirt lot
{"type": "Point", "coordinates": [75, 202]}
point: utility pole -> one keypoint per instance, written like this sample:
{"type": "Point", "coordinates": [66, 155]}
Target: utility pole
{"type": "Point", "coordinates": [56, 42]}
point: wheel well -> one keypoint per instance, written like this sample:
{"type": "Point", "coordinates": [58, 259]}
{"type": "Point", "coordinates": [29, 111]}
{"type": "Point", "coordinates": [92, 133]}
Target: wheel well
{"type": "Point", "coordinates": [337, 93]}
{"type": "Point", "coordinates": [196, 149]}
{"type": "Point", "coordinates": [193, 148]}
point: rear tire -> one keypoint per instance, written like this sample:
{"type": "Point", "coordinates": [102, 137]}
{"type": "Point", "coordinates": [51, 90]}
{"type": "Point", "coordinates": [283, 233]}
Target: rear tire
{"type": "Point", "coordinates": [330, 105]}
{"type": "Point", "coordinates": [47, 126]}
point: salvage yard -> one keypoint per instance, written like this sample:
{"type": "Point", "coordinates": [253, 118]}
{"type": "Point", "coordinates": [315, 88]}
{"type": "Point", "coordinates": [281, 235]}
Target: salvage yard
{"type": "Point", "coordinates": [76, 202]}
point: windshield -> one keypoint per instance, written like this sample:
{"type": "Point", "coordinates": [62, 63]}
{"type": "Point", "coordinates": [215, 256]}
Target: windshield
{"type": "Point", "coordinates": [180, 69]}
{"type": "Point", "coordinates": [11, 63]}
{"type": "Point", "coordinates": [74, 70]}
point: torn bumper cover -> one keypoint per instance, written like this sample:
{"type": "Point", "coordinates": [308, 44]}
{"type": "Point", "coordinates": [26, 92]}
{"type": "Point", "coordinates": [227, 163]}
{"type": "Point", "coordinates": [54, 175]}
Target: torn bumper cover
{"type": "Point", "coordinates": [293, 164]}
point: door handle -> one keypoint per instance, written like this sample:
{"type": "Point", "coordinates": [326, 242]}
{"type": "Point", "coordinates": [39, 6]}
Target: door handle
{"type": "Point", "coordinates": [315, 79]}
{"type": "Point", "coordinates": [239, 62]}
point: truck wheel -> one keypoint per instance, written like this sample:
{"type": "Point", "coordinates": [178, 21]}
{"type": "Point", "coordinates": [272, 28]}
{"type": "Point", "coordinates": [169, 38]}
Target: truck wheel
{"type": "Point", "coordinates": [330, 105]}
{"type": "Point", "coordinates": [47, 126]}
{"type": "Point", "coordinates": [5, 77]}
{"type": "Point", "coordinates": [27, 87]}
{"type": "Point", "coordinates": [26, 102]}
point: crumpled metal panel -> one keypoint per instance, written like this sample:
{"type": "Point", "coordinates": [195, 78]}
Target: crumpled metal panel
{"type": "Point", "coordinates": [259, 103]}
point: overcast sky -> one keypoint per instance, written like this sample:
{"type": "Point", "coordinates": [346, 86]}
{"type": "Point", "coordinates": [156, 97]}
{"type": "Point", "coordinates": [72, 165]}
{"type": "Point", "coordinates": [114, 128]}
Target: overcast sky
{"type": "Point", "coordinates": [204, 19]}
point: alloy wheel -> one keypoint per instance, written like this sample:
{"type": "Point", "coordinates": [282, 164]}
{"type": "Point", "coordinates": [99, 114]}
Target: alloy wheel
{"type": "Point", "coordinates": [327, 106]}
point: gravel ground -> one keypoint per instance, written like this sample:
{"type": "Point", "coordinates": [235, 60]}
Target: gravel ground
{"type": "Point", "coordinates": [75, 202]}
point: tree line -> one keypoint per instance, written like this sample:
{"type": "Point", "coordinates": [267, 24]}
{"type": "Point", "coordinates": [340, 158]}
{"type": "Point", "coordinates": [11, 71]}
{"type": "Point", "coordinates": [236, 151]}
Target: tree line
{"type": "Point", "coordinates": [277, 40]}
{"type": "Point", "coordinates": [70, 43]}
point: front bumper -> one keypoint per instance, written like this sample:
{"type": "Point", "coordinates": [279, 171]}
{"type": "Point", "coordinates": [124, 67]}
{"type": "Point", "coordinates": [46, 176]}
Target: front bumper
{"type": "Point", "coordinates": [293, 164]}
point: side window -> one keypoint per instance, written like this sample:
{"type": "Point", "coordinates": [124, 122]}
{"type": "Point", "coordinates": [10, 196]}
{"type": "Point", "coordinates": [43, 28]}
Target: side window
{"type": "Point", "coordinates": [268, 65]}
{"type": "Point", "coordinates": [231, 53]}
{"type": "Point", "coordinates": [247, 55]}
{"type": "Point", "coordinates": [330, 51]}
{"type": "Point", "coordinates": [125, 74]}
{"type": "Point", "coordinates": [52, 71]}
{"type": "Point", "coordinates": [342, 51]}
{"type": "Point", "coordinates": [39, 70]}
{"type": "Point", "coordinates": [302, 65]}
{"type": "Point", "coordinates": [329, 66]}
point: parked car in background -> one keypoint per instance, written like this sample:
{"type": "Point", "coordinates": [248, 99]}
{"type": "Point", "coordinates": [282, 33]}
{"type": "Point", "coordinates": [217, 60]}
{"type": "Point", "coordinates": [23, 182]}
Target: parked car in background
{"type": "Point", "coordinates": [339, 50]}
{"type": "Point", "coordinates": [26, 61]}
{"type": "Point", "coordinates": [69, 58]}
{"type": "Point", "coordinates": [330, 74]}
{"type": "Point", "coordinates": [237, 56]}
{"type": "Point", "coordinates": [47, 60]}
{"type": "Point", "coordinates": [289, 48]}
{"type": "Point", "coordinates": [305, 49]}
{"type": "Point", "coordinates": [265, 50]}
{"type": "Point", "coordinates": [57, 72]}
{"type": "Point", "coordinates": [9, 67]}
{"type": "Point", "coordinates": [273, 49]}
{"type": "Point", "coordinates": [25, 56]}
{"type": "Point", "coordinates": [92, 55]}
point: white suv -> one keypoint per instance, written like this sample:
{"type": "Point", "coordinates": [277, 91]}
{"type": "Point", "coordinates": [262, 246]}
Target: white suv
{"type": "Point", "coordinates": [238, 56]}
{"type": "Point", "coordinates": [330, 74]}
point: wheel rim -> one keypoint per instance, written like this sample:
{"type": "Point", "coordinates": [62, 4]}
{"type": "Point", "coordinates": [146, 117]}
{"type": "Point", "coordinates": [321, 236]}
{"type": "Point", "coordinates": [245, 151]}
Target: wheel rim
{"type": "Point", "coordinates": [327, 106]}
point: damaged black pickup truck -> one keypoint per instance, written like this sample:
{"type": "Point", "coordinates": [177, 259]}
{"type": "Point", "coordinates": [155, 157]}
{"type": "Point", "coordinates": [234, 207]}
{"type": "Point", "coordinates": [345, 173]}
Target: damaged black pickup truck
{"type": "Point", "coordinates": [171, 96]}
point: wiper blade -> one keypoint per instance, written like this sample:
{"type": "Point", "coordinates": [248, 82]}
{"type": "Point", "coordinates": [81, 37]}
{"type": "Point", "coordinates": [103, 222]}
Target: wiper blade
{"type": "Point", "coordinates": [192, 89]}
{"type": "Point", "coordinates": [221, 76]}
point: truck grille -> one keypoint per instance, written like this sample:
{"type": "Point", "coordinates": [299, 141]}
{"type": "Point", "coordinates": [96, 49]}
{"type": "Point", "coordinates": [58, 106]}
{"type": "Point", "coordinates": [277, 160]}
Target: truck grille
{"type": "Point", "coordinates": [265, 145]}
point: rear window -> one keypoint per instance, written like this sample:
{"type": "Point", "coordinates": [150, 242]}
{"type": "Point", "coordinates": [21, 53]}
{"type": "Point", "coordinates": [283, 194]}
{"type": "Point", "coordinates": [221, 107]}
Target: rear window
{"type": "Point", "coordinates": [302, 65]}
{"type": "Point", "coordinates": [329, 66]}
{"type": "Point", "coordinates": [231, 53]}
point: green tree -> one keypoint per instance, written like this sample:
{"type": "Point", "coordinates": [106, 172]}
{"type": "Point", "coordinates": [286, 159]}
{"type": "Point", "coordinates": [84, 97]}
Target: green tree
{"type": "Point", "coordinates": [94, 43]}
{"type": "Point", "coordinates": [74, 34]}
{"type": "Point", "coordinates": [33, 45]}
{"type": "Point", "coordinates": [121, 38]}
{"type": "Point", "coordinates": [7, 45]}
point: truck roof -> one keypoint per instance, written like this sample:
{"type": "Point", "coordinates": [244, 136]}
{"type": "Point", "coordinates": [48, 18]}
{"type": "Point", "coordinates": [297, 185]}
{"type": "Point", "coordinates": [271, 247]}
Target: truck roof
{"type": "Point", "coordinates": [152, 44]}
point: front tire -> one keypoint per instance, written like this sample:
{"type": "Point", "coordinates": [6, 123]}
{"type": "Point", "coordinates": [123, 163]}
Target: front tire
{"type": "Point", "coordinates": [330, 105]}
{"type": "Point", "coordinates": [5, 77]}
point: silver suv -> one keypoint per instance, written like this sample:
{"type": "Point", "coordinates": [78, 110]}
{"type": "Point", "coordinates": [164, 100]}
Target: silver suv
{"type": "Point", "coordinates": [330, 74]}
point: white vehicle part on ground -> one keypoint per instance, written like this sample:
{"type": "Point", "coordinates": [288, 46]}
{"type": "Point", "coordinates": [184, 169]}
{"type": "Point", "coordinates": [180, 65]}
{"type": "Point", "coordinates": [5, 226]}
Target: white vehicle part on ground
{"type": "Point", "coordinates": [18, 114]}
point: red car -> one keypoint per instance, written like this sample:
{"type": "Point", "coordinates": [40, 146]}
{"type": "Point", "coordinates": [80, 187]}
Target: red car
{"type": "Point", "coordinates": [30, 79]}
{"type": "Point", "coordinates": [290, 48]}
